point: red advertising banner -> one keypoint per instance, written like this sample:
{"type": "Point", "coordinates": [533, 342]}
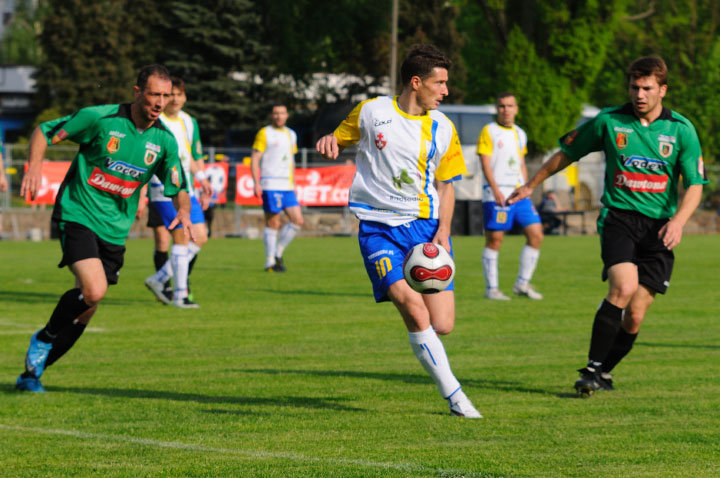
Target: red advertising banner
{"type": "Point", "coordinates": [53, 173]}
{"type": "Point", "coordinates": [218, 176]}
{"type": "Point", "coordinates": [313, 186]}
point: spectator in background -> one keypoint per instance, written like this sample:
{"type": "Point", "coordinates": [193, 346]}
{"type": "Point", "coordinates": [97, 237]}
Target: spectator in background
{"type": "Point", "coordinates": [549, 205]}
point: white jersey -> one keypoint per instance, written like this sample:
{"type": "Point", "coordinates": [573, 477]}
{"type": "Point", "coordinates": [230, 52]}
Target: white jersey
{"type": "Point", "coordinates": [399, 158]}
{"type": "Point", "coordinates": [277, 165]}
{"type": "Point", "coordinates": [506, 147]}
{"type": "Point", "coordinates": [187, 135]}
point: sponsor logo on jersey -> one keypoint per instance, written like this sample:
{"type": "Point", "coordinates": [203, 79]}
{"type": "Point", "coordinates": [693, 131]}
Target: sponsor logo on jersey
{"type": "Point", "coordinates": [59, 136]}
{"type": "Point", "coordinates": [384, 252]}
{"type": "Point", "coordinates": [640, 162]}
{"type": "Point", "coordinates": [623, 130]}
{"type": "Point", "coordinates": [669, 139]}
{"type": "Point", "coordinates": [117, 134]}
{"type": "Point", "coordinates": [402, 178]}
{"type": "Point", "coordinates": [645, 183]}
{"type": "Point", "coordinates": [150, 157]}
{"type": "Point", "coordinates": [124, 168]}
{"type": "Point", "coordinates": [621, 140]}
{"type": "Point", "coordinates": [113, 145]}
{"type": "Point", "coordinates": [570, 137]}
{"type": "Point", "coordinates": [378, 122]}
{"type": "Point", "coordinates": [380, 141]}
{"type": "Point", "coordinates": [152, 147]}
{"type": "Point", "coordinates": [666, 149]}
{"type": "Point", "coordinates": [112, 184]}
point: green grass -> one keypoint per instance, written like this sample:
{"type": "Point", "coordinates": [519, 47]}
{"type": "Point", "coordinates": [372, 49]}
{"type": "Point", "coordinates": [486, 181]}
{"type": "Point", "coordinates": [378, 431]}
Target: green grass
{"type": "Point", "coordinates": [302, 374]}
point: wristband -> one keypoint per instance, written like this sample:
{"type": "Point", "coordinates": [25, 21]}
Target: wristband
{"type": "Point", "coordinates": [201, 175]}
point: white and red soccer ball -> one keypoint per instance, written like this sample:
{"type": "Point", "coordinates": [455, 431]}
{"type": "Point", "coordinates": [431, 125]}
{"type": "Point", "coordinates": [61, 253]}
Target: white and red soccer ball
{"type": "Point", "coordinates": [428, 268]}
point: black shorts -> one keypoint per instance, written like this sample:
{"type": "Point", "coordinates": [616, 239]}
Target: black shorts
{"type": "Point", "coordinates": [154, 219]}
{"type": "Point", "coordinates": [629, 236]}
{"type": "Point", "coordinates": [78, 243]}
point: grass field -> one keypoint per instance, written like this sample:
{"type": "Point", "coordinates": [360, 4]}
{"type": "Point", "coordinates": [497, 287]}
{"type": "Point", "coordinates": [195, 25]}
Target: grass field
{"type": "Point", "coordinates": [302, 374]}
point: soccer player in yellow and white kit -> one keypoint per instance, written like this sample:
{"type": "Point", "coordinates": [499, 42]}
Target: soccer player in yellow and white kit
{"type": "Point", "coordinates": [273, 170]}
{"type": "Point", "coordinates": [502, 146]}
{"type": "Point", "coordinates": [408, 155]}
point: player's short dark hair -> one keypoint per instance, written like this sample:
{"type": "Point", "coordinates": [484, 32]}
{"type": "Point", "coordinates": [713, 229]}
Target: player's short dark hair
{"type": "Point", "coordinates": [178, 83]}
{"type": "Point", "coordinates": [504, 94]}
{"type": "Point", "coordinates": [148, 71]}
{"type": "Point", "coordinates": [420, 61]}
{"type": "Point", "coordinates": [648, 66]}
{"type": "Point", "coordinates": [277, 104]}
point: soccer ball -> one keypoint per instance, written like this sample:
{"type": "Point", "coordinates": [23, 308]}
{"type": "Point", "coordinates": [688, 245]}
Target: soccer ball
{"type": "Point", "coordinates": [428, 268]}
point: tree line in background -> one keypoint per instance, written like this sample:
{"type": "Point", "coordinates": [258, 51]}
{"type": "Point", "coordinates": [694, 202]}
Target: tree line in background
{"type": "Point", "coordinates": [238, 56]}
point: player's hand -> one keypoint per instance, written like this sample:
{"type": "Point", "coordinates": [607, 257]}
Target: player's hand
{"type": "Point", "coordinates": [3, 180]}
{"type": "Point", "coordinates": [671, 234]}
{"type": "Point", "coordinates": [499, 197]}
{"type": "Point", "coordinates": [183, 217]}
{"type": "Point", "coordinates": [442, 239]}
{"type": "Point", "coordinates": [206, 187]}
{"type": "Point", "coordinates": [32, 180]}
{"type": "Point", "coordinates": [327, 146]}
{"type": "Point", "coordinates": [258, 190]}
{"type": "Point", "coordinates": [140, 210]}
{"type": "Point", "coordinates": [519, 194]}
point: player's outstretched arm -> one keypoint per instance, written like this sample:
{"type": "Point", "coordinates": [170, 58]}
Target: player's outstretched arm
{"type": "Point", "coordinates": [32, 180]}
{"type": "Point", "coordinates": [671, 232]}
{"type": "Point", "coordinates": [328, 147]}
{"type": "Point", "coordinates": [182, 205]}
{"type": "Point", "coordinates": [557, 162]}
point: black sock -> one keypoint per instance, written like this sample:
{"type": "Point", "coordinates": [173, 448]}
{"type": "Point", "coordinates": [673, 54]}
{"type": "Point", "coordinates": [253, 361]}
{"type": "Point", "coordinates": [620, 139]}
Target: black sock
{"type": "Point", "coordinates": [69, 307]}
{"type": "Point", "coordinates": [191, 264]}
{"type": "Point", "coordinates": [607, 323]}
{"type": "Point", "coordinates": [64, 342]}
{"type": "Point", "coordinates": [621, 347]}
{"type": "Point", "coordinates": [160, 258]}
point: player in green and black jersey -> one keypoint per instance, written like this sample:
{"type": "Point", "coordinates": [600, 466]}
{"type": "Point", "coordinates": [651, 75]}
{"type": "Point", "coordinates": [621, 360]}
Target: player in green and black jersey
{"type": "Point", "coordinates": [647, 148]}
{"type": "Point", "coordinates": [121, 148]}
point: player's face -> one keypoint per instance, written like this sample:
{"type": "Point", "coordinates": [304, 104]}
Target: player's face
{"type": "Point", "coordinates": [433, 89]}
{"type": "Point", "coordinates": [151, 101]}
{"type": "Point", "coordinates": [507, 109]}
{"type": "Point", "coordinates": [646, 95]}
{"type": "Point", "coordinates": [177, 101]}
{"type": "Point", "coordinates": [279, 116]}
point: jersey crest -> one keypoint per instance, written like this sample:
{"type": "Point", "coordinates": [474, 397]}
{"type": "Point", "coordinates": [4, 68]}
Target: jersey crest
{"type": "Point", "coordinates": [380, 141]}
{"type": "Point", "coordinates": [621, 140]}
{"type": "Point", "coordinates": [150, 157]}
{"type": "Point", "coordinates": [666, 149]}
{"type": "Point", "coordinates": [113, 145]}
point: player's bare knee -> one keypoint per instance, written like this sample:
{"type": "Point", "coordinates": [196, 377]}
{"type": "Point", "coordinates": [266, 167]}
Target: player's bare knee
{"type": "Point", "coordinates": [298, 221]}
{"type": "Point", "coordinates": [444, 327]}
{"type": "Point", "coordinates": [93, 294]}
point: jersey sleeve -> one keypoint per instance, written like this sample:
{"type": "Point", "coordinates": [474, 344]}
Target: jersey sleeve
{"type": "Point", "coordinates": [293, 135]}
{"type": "Point", "coordinates": [260, 143]}
{"type": "Point", "coordinates": [196, 145]}
{"type": "Point", "coordinates": [452, 163]}
{"type": "Point", "coordinates": [348, 133]}
{"type": "Point", "coordinates": [585, 139]}
{"type": "Point", "coordinates": [522, 140]}
{"type": "Point", "coordinates": [485, 142]}
{"type": "Point", "coordinates": [170, 170]}
{"type": "Point", "coordinates": [692, 167]}
{"type": "Point", "coordinates": [80, 127]}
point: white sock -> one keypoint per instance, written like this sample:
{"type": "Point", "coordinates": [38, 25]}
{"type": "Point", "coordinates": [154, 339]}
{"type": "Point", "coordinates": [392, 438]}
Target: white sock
{"type": "Point", "coordinates": [490, 267]}
{"type": "Point", "coordinates": [193, 249]}
{"type": "Point", "coordinates": [528, 261]}
{"type": "Point", "coordinates": [179, 261]}
{"type": "Point", "coordinates": [165, 273]}
{"type": "Point", "coordinates": [287, 234]}
{"type": "Point", "coordinates": [270, 241]}
{"type": "Point", "coordinates": [430, 352]}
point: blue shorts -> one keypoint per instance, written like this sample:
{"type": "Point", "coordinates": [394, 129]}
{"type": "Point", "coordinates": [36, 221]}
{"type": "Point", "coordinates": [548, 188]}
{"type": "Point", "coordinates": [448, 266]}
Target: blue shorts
{"type": "Point", "coordinates": [384, 247]}
{"type": "Point", "coordinates": [276, 201]}
{"type": "Point", "coordinates": [498, 218]}
{"type": "Point", "coordinates": [167, 212]}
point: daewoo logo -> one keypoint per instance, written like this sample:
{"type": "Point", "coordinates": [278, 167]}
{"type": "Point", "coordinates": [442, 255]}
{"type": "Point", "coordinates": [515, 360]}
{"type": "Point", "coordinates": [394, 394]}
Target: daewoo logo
{"type": "Point", "coordinates": [647, 183]}
{"type": "Point", "coordinates": [111, 184]}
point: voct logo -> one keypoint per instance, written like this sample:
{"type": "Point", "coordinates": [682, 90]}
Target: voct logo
{"type": "Point", "coordinates": [111, 184]}
{"type": "Point", "coordinates": [640, 162]}
{"type": "Point", "coordinates": [646, 183]}
{"type": "Point", "coordinates": [124, 168]}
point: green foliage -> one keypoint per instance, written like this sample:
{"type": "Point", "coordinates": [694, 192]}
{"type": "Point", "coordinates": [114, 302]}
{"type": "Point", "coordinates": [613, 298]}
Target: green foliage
{"type": "Point", "coordinates": [19, 43]}
{"type": "Point", "coordinates": [215, 47]}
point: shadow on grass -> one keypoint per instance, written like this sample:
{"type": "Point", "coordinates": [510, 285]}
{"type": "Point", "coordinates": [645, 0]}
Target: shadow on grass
{"type": "Point", "coordinates": [28, 297]}
{"type": "Point", "coordinates": [405, 378]}
{"type": "Point", "coordinates": [678, 346]}
{"type": "Point", "coordinates": [329, 403]}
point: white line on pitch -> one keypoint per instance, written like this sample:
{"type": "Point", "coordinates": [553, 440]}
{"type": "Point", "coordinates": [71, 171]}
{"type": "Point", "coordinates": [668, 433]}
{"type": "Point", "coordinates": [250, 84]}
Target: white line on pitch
{"type": "Point", "coordinates": [250, 453]}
